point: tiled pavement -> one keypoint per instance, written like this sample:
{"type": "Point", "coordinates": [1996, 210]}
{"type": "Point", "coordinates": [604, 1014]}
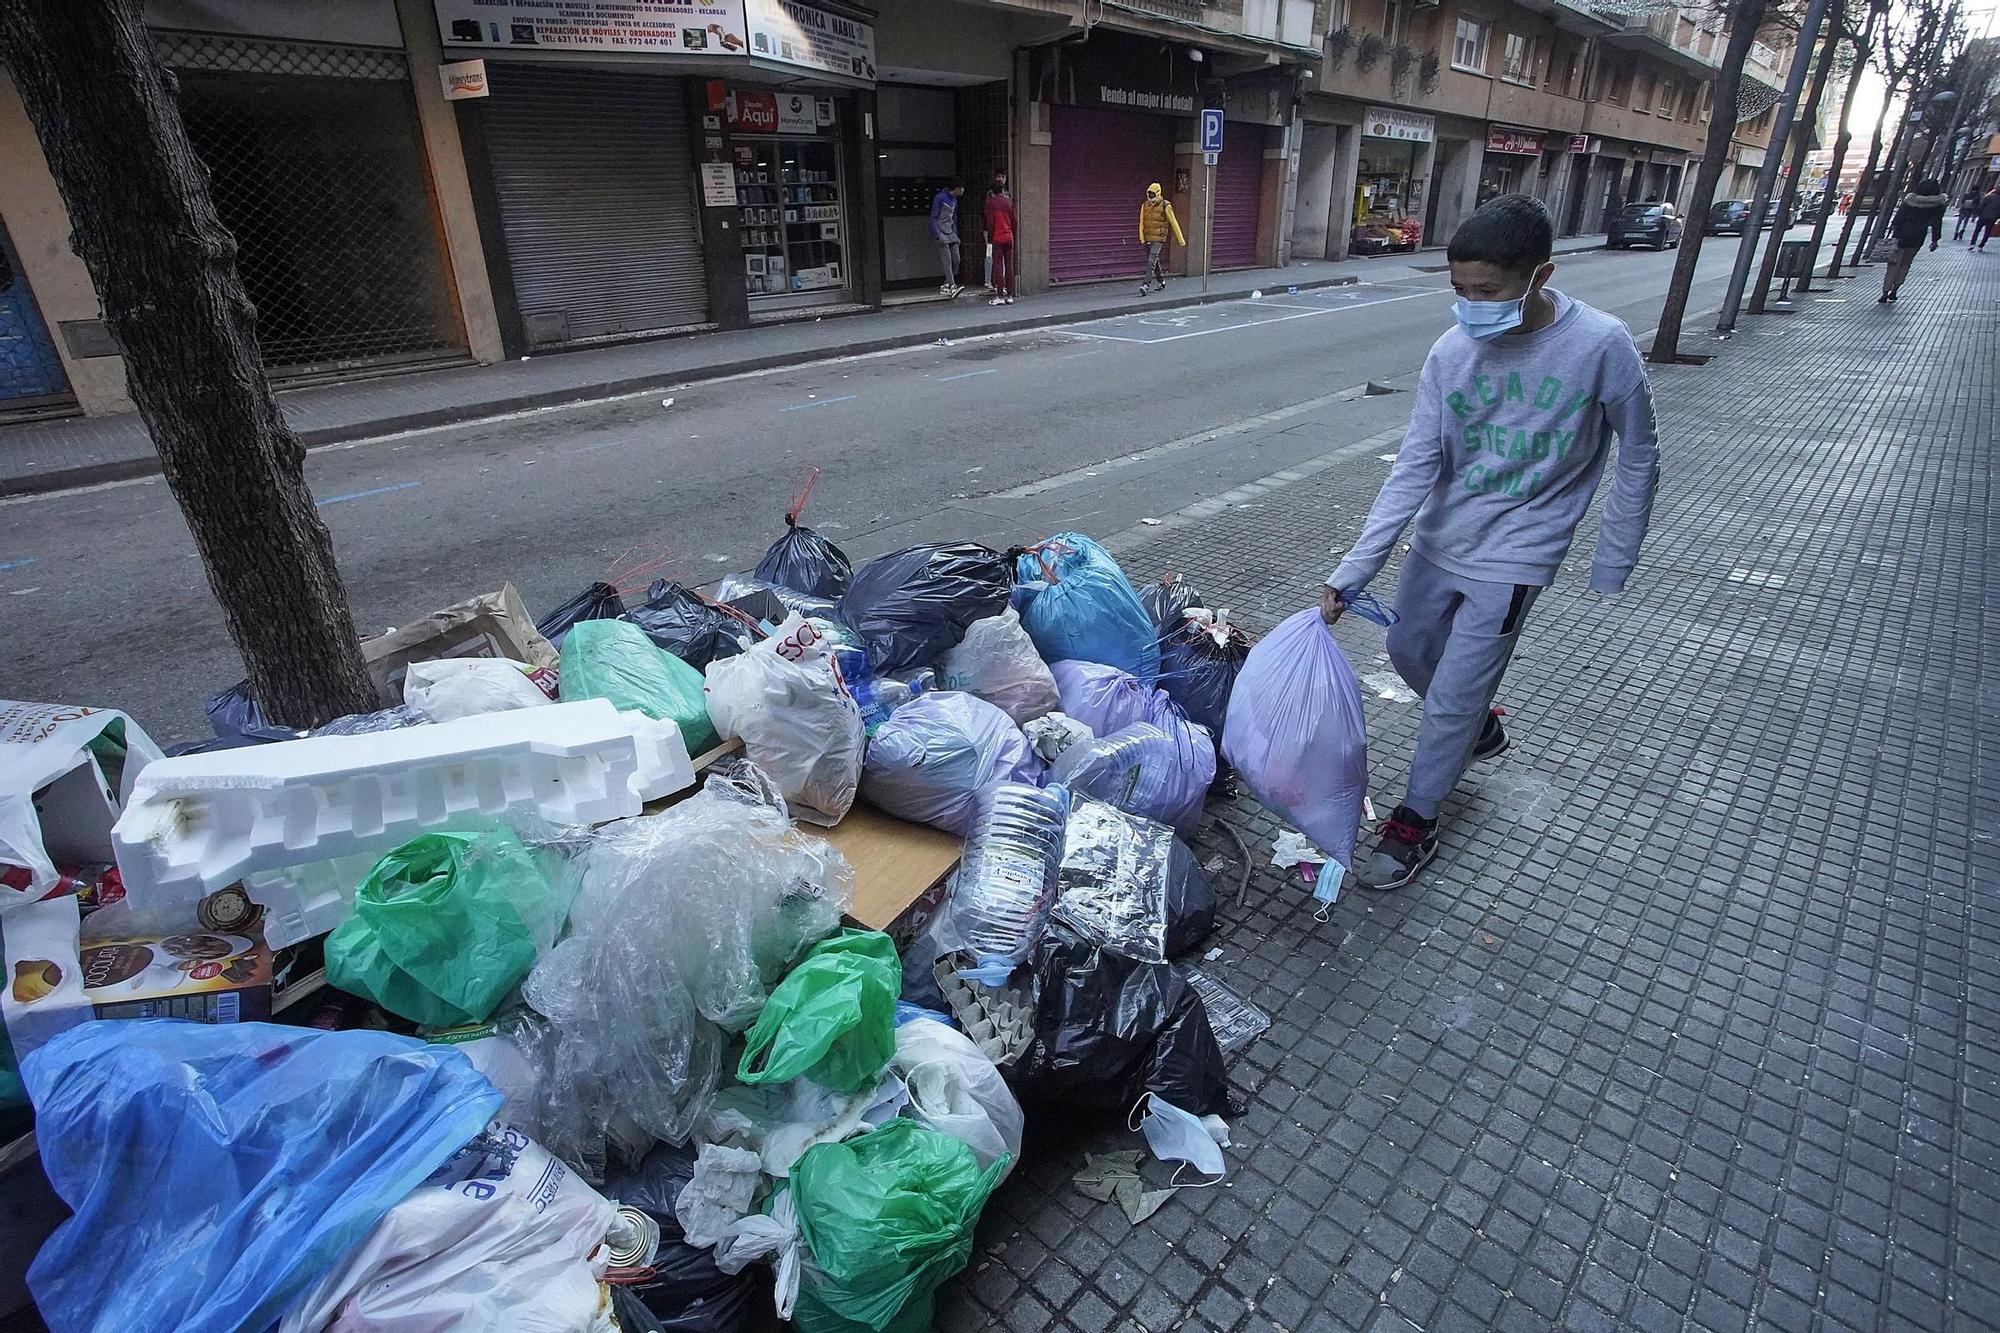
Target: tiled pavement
{"type": "Point", "coordinates": [1695, 1023]}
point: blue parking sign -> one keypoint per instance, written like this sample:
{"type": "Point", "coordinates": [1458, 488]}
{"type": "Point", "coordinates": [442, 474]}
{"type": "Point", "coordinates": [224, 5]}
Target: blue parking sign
{"type": "Point", "coordinates": [1211, 130]}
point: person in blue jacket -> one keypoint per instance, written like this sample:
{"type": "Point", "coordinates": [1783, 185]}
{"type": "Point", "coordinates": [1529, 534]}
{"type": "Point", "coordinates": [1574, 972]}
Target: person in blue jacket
{"type": "Point", "coordinates": [944, 231]}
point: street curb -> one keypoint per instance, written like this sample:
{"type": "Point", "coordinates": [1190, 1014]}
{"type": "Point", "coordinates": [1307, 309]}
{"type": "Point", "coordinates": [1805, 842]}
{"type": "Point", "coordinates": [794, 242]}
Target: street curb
{"type": "Point", "coordinates": [125, 469]}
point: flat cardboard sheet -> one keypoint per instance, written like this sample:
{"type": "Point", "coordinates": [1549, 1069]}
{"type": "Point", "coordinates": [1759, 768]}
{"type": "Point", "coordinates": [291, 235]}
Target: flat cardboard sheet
{"type": "Point", "coordinates": [894, 862]}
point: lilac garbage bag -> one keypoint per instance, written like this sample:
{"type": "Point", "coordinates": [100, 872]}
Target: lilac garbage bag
{"type": "Point", "coordinates": [1297, 734]}
{"type": "Point", "coordinates": [934, 756]}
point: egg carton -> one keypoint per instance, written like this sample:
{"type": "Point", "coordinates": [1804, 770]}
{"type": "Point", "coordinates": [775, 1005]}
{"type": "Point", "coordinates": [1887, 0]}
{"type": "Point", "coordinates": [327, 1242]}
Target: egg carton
{"type": "Point", "coordinates": [270, 815]}
{"type": "Point", "coordinates": [999, 1019]}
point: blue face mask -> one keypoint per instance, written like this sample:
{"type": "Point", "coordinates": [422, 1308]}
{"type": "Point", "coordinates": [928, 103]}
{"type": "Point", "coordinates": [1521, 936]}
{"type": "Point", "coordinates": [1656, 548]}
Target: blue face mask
{"type": "Point", "coordinates": [1490, 319]}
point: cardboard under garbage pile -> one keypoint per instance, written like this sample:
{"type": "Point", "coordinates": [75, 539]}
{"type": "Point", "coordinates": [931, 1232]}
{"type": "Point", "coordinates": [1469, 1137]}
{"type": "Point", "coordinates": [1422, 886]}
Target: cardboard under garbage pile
{"type": "Point", "coordinates": [499, 1007]}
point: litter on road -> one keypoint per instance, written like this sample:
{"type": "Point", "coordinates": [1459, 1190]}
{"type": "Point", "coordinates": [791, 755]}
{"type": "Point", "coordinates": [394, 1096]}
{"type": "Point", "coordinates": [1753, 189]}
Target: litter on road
{"type": "Point", "coordinates": [665, 962]}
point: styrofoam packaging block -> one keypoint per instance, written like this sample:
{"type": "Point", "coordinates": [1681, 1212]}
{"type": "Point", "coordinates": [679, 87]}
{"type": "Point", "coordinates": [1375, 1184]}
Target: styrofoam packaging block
{"type": "Point", "coordinates": [198, 822]}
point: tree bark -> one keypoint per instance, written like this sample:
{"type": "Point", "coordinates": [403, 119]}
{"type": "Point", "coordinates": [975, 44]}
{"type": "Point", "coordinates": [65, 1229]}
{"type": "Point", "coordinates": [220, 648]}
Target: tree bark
{"type": "Point", "coordinates": [165, 270]}
{"type": "Point", "coordinates": [1802, 132]}
{"type": "Point", "coordinates": [1745, 17]}
{"type": "Point", "coordinates": [1867, 175]}
{"type": "Point", "coordinates": [1864, 46]}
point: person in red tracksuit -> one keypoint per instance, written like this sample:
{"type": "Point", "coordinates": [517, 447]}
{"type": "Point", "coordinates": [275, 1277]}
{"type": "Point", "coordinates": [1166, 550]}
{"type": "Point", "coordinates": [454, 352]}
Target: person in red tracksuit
{"type": "Point", "coordinates": [1000, 231]}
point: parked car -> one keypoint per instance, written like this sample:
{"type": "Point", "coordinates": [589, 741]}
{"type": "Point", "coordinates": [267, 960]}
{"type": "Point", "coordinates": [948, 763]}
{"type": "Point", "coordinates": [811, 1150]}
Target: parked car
{"type": "Point", "coordinates": [1726, 217]}
{"type": "Point", "coordinates": [1771, 216]}
{"type": "Point", "coordinates": [1657, 225]}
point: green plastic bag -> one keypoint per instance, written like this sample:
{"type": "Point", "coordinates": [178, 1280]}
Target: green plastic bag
{"type": "Point", "coordinates": [886, 1217]}
{"type": "Point", "coordinates": [12, 1093]}
{"type": "Point", "coordinates": [833, 1019]}
{"type": "Point", "coordinates": [613, 659]}
{"type": "Point", "coordinates": [446, 925]}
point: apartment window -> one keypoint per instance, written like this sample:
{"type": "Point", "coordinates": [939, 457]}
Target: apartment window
{"type": "Point", "coordinates": [1642, 91]}
{"type": "Point", "coordinates": [1392, 21]}
{"type": "Point", "coordinates": [1519, 65]}
{"type": "Point", "coordinates": [1468, 47]}
{"type": "Point", "coordinates": [1670, 96]}
{"type": "Point", "coordinates": [1562, 73]}
{"type": "Point", "coordinates": [1341, 16]}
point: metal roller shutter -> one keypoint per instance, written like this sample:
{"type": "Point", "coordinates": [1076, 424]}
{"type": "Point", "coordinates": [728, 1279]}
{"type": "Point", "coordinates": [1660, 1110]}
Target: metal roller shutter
{"type": "Point", "coordinates": [1239, 197]}
{"type": "Point", "coordinates": [595, 184]}
{"type": "Point", "coordinates": [1099, 167]}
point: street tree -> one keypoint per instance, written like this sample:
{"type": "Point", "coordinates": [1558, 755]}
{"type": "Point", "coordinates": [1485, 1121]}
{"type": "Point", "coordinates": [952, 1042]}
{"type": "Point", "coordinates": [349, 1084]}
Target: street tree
{"type": "Point", "coordinates": [165, 271]}
{"type": "Point", "coordinates": [1745, 18]}
{"type": "Point", "coordinates": [1843, 138]}
{"type": "Point", "coordinates": [1802, 138]}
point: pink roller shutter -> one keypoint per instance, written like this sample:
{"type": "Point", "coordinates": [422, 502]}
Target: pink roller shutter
{"type": "Point", "coordinates": [1099, 167]}
{"type": "Point", "coordinates": [1239, 196]}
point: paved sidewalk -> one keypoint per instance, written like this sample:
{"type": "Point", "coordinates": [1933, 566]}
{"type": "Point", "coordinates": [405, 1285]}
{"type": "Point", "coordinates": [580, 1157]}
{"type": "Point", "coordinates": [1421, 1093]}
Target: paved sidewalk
{"type": "Point", "coordinates": [1695, 1023]}
{"type": "Point", "coordinates": [70, 451]}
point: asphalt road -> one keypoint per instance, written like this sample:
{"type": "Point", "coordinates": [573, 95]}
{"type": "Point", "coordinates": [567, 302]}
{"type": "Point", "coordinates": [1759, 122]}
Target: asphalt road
{"type": "Point", "coordinates": [1004, 439]}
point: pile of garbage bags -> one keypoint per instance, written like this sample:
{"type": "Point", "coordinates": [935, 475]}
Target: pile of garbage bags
{"type": "Point", "coordinates": [597, 1046]}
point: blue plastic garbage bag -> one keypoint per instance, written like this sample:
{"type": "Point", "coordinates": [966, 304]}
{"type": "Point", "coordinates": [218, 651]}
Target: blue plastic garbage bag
{"type": "Point", "coordinates": [217, 1171]}
{"type": "Point", "coordinates": [1297, 733]}
{"type": "Point", "coordinates": [1087, 611]}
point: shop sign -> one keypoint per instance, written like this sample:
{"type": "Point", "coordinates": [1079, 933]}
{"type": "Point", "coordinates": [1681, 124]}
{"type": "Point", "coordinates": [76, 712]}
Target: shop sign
{"type": "Point", "coordinates": [682, 27]}
{"type": "Point", "coordinates": [1500, 140]}
{"type": "Point", "coordinates": [778, 113]}
{"type": "Point", "coordinates": [1579, 143]}
{"type": "Point", "coordinates": [1110, 72]}
{"type": "Point", "coordinates": [463, 79]}
{"type": "Point", "coordinates": [797, 34]}
{"type": "Point", "coordinates": [1381, 122]}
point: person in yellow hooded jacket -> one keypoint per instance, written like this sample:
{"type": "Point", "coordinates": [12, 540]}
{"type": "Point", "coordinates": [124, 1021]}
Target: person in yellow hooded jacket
{"type": "Point", "coordinates": [1156, 220]}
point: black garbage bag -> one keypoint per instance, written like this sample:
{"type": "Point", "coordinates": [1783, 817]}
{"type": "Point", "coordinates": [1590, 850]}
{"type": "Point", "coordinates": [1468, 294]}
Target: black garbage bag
{"type": "Point", "coordinates": [687, 1291]}
{"type": "Point", "coordinates": [1109, 1029]}
{"type": "Point", "coordinates": [1167, 599]}
{"type": "Point", "coordinates": [690, 627]}
{"type": "Point", "coordinates": [1199, 663]}
{"type": "Point", "coordinates": [804, 561]}
{"type": "Point", "coordinates": [912, 605]}
{"type": "Point", "coordinates": [238, 719]}
{"type": "Point", "coordinates": [600, 601]}
{"type": "Point", "coordinates": [1191, 901]}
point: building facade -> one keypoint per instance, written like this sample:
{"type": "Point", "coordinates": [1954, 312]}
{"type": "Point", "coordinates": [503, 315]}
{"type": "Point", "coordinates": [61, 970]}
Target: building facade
{"type": "Point", "coordinates": [418, 182]}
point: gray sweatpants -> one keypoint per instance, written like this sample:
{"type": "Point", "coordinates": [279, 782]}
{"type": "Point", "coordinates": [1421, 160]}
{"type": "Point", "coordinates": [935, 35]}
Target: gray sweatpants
{"type": "Point", "coordinates": [1451, 643]}
{"type": "Point", "coordinates": [948, 258]}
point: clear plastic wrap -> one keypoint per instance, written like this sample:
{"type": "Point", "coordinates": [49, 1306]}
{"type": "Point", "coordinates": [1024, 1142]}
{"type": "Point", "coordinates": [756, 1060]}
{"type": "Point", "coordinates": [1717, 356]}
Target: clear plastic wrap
{"type": "Point", "coordinates": [683, 923]}
{"type": "Point", "coordinates": [1146, 771]}
{"type": "Point", "coordinates": [997, 661]}
{"type": "Point", "coordinates": [1005, 885]}
{"type": "Point", "coordinates": [933, 757]}
{"type": "Point", "coordinates": [1114, 880]}
{"type": "Point", "coordinates": [783, 699]}
{"type": "Point", "coordinates": [454, 687]}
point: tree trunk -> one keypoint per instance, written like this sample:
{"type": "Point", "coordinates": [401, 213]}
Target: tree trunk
{"type": "Point", "coordinates": [165, 270]}
{"type": "Point", "coordinates": [1867, 176]}
{"type": "Point", "coordinates": [1842, 141]}
{"type": "Point", "coordinates": [1745, 17]}
{"type": "Point", "coordinates": [1802, 133]}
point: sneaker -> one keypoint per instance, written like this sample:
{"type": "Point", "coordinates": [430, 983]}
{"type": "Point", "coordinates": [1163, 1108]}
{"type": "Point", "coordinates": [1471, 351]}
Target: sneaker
{"type": "Point", "coordinates": [1493, 740]}
{"type": "Point", "coordinates": [1408, 843]}
{"type": "Point", "coordinates": [1010, 300]}
{"type": "Point", "coordinates": [947, 290]}
{"type": "Point", "coordinates": [998, 300]}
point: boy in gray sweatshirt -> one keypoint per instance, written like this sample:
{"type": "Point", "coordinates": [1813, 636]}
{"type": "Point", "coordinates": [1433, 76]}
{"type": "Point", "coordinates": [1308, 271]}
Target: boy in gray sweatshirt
{"type": "Point", "coordinates": [1512, 430]}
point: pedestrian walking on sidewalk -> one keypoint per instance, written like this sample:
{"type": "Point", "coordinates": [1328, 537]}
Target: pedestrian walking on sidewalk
{"type": "Point", "coordinates": [1921, 213]}
{"type": "Point", "coordinates": [1511, 433]}
{"type": "Point", "coordinates": [1968, 211]}
{"type": "Point", "coordinates": [1989, 217]}
{"type": "Point", "coordinates": [944, 231]}
{"type": "Point", "coordinates": [1156, 223]}
{"type": "Point", "coordinates": [1000, 235]}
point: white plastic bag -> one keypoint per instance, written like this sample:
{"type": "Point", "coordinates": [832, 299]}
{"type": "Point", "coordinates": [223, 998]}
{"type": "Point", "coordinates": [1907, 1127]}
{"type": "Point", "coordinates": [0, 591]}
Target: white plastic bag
{"type": "Point", "coordinates": [955, 1090]}
{"type": "Point", "coordinates": [784, 702]}
{"type": "Point", "coordinates": [997, 661]}
{"type": "Point", "coordinates": [759, 1235]}
{"type": "Point", "coordinates": [501, 1236]}
{"type": "Point", "coordinates": [455, 687]}
{"type": "Point", "coordinates": [779, 1121]}
{"type": "Point", "coordinates": [721, 1192]}
{"type": "Point", "coordinates": [83, 762]}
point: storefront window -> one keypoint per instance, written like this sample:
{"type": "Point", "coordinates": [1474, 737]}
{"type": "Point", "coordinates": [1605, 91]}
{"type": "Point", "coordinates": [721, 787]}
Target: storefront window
{"type": "Point", "coordinates": [793, 212]}
{"type": "Point", "coordinates": [1387, 198]}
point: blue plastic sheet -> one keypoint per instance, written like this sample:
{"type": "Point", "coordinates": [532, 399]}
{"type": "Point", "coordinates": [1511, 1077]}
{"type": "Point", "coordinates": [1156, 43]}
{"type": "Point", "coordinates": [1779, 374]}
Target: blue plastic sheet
{"type": "Point", "coordinates": [218, 1171]}
{"type": "Point", "coordinates": [1297, 733]}
{"type": "Point", "coordinates": [1087, 611]}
